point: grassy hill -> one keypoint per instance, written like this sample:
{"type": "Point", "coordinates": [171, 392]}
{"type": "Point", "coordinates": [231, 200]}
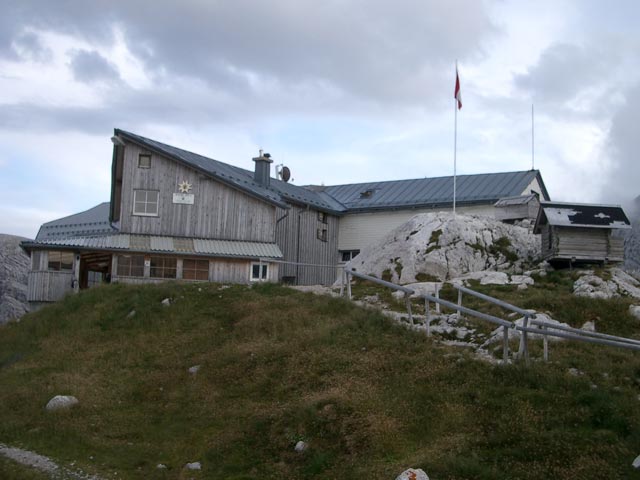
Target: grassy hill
{"type": "Point", "coordinates": [278, 366]}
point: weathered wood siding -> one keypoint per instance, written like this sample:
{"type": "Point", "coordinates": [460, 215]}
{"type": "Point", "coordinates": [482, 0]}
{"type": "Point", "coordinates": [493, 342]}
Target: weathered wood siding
{"type": "Point", "coordinates": [518, 212]}
{"type": "Point", "coordinates": [45, 286]}
{"type": "Point", "coordinates": [581, 244]}
{"type": "Point", "coordinates": [357, 230]}
{"type": "Point", "coordinates": [297, 237]}
{"type": "Point", "coordinates": [218, 211]}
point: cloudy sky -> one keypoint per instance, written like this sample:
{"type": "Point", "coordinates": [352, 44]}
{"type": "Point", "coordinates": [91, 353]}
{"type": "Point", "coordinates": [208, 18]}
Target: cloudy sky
{"type": "Point", "coordinates": [341, 91]}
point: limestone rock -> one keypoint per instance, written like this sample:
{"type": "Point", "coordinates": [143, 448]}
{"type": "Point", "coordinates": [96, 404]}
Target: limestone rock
{"type": "Point", "coordinates": [301, 446]}
{"type": "Point", "coordinates": [60, 402]}
{"type": "Point", "coordinates": [413, 474]}
{"type": "Point", "coordinates": [495, 278]}
{"type": "Point", "coordinates": [166, 302]}
{"type": "Point", "coordinates": [193, 370]}
{"type": "Point", "coordinates": [193, 466]}
{"type": "Point", "coordinates": [589, 327]}
{"type": "Point", "coordinates": [14, 268]}
{"type": "Point", "coordinates": [593, 286]}
{"type": "Point", "coordinates": [442, 246]}
{"type": "Point", "coordinates": [635, 311]}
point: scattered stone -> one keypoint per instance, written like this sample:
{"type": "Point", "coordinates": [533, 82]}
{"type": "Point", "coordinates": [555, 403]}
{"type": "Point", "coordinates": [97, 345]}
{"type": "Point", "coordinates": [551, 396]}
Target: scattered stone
{"type": "Point", "coordinates": [593, 286]}
{"type": "Point", "coordinates": [522, 286]}
{"type": "Point", "coordinates": [161, 466]}
{"type": "Point", "coordinates": [575, 372]}
{"type": "Point", "coordinates": [131, 314]}
{"type": "Point", "coordinates": [589, 327]}
{"type": "Point", "coordinates": [635, 311]}
{"type": "Point", "coordinates": [301, 446]}
{"type": "Point", "coordinates": [194, 466]}
{"type": "Point", "coordinates": [193, 370]}
{"type": "Point", "coordinates": [60, 402]}
{"type": "Point", "coordinates": [522, 280]}
{"type": "Point", "coordinates": [494, 278]}
{"type": "Point", "coordinates": [166, 302]}
{"type": "Point", "coordinates": [413, 474]}
{"type": "Point", "coordinates": [636, 462]}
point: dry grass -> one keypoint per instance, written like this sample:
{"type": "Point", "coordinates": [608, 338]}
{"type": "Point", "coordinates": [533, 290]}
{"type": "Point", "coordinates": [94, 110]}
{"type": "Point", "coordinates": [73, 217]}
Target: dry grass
{"type": "Point", "coordinates": [278, 366]}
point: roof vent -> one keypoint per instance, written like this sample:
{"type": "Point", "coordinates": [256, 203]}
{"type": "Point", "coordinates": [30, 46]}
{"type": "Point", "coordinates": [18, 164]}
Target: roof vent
{"type": "Point", "coordinates": [367, 193]}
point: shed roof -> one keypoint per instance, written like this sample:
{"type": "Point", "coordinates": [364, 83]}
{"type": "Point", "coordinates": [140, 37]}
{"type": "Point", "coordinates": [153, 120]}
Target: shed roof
{"type": "Point", "coordinates": [161, 244]}
{"type": "Point", "coordinates": [94, 221]}
{"type": "Point", "coordinates": [581, 215]}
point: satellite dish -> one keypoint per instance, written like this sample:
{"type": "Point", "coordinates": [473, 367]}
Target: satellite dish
{"type": "Point", "coordinates": [286, 174]}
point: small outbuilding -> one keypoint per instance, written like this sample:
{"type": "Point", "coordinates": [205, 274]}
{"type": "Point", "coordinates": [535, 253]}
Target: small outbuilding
{"type": "Point", "coordinates": [520, 207]}
{"type": "Point", "coordinates": [582, 233]}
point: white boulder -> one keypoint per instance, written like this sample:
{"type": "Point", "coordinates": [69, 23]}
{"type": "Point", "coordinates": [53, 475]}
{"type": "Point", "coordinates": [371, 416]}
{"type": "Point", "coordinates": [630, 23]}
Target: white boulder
{"type": "Point", "coordinates": [300, 446]}
{"type": "Point", "coordinates": [193, 466]}
{"type": "Point", "coordinates": [635, 311]}
{"type": "Point", "coordinates": [593, 286]}
{"type": "Point", "coordinates": [61, 402]}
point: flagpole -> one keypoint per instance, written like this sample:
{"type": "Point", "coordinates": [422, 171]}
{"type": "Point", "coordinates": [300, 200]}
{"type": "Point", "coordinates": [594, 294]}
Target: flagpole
{"type": "Point", "coordinates": [455, 143]}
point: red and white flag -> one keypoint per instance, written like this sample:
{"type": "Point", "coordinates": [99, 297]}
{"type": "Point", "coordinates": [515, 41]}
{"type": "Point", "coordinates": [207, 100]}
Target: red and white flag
{"type": "Point", "coordinates": [456, 93]}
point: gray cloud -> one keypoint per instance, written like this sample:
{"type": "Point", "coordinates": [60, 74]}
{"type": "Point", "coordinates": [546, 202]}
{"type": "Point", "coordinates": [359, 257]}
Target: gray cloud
{"type": "Point", "coordinates": [90, 66]}
{"type": "Point", "coordinates": [623, 145]}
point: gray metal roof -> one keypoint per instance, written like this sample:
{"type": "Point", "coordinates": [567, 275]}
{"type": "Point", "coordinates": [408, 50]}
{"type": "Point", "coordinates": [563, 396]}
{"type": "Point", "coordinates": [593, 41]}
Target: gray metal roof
{"type": "Point", "coordinates": [430, 192]}
{"type": "Point", "coordinates": [581, 215]}
{"type": "Point", "coordinates": [159, 244]}
{"type": "Point", "coordinates": [94, 221]}
{"type": "Point", "coordinates": [278, 193]}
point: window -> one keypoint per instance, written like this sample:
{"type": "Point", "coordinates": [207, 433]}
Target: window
{"type": "Point", "coordinates": [144, 160]}
{"type": "Point", "coordinates": [195, 269]}
{"type": "Point", "coordinates": [145, 202]}
{"type": "Point", "coordinates": [256, 274]}
{"type": "Point", "coordinates": [322, 217]}
{"type": "Point", "coordinates": [163, 267]}
{"type": "Point", "coordinates": [322, 234]}
{"type": "Point", "coordinates": [131, 265]}
{"type": "Point", "coordinates": [60, 261]}
{"type": "Point", "coordinates": [348, 255]}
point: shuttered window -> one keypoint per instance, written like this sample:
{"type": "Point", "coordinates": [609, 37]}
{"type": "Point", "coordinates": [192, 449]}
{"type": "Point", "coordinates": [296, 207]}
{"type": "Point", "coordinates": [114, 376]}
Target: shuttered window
{"type": "Point", "coordinates": [195, 269]}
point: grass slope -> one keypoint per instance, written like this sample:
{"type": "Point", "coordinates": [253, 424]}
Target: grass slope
{"type": "Point", "coordinates": [278, 366]}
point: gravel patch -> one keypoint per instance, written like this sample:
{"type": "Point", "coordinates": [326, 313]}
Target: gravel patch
{"type": "Point", "coordinates": [44, 464]}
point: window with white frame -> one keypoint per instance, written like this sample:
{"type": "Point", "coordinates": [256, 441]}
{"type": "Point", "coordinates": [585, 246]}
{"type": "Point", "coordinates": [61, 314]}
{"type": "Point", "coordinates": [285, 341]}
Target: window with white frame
{"type": "Point", "coordinates": [145, 202]}
{"type": "Point", "coordinates": [130, 265]}
{"type": "Point", "coordinates": [195, 269]}
{"type": "Point", "coordinates": [163, 267]}
{"type": "Point", "coordinates": [144, 160]}
{"type": "Point", "coordinates": [60, 261]}
{"type": "Point", "coordinates": [348, 255]}
{"type": "Point", "coordinates": [259, 272]}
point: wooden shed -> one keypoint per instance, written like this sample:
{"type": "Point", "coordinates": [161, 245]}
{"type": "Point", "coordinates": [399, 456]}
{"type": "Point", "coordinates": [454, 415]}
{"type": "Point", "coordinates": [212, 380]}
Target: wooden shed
{"type": "Point", "coordinates": [521, 207]}
{"type": "Point", "coordinates": [573, 232]}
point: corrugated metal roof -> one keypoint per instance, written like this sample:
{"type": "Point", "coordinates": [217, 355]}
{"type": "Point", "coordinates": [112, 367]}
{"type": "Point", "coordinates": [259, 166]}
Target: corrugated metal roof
{"type": "Point", "coordinates": [140, 243]}
{"type": "Point", "coordinates": [481, 188]}
{"type": "Point", "coordinates": [581, 215]}
{"type": "Point", "coordinates": [94, 221]}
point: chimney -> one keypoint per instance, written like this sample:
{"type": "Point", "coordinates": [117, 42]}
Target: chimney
{"type": "Point", "coordinates": [262, 174]}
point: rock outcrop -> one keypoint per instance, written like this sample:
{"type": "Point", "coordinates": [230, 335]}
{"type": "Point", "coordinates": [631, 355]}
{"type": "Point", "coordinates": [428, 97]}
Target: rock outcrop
{"type": "Point", "coordinates": [14, 267]}
{"type": "Point", "coordinates": [440, 246]}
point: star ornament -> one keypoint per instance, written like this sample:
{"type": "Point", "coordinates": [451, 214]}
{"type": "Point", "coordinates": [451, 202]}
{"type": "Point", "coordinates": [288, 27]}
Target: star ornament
{"type": "Point", "coordinates": [184, 187]}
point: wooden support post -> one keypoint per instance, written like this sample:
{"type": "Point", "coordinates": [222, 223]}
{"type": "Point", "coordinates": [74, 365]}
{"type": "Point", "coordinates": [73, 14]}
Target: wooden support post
{"type": "Point", "coordinates": [505, 343]}
{"type": "Point", "coordinates": [342, 274]}
{"type": "Point", "coordinates": [524, 341]}
{"type": "Point", "coordinates": [427, 316]}
{"type": "Point", "coordinates": [349, 285]}
{"type": "Point", "coordinates": [459, 302]}
{"type": "Point", "coordinates": [545, 343]}
{"type": "Point", "coordinates": [75, 283]}
{"type": "Point", "coordinates": [438, 297]}
{"type": "Point", "coordinates": [407, 301]}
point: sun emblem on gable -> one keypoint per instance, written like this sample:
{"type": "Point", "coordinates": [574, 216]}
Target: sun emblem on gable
{"type": "Point", "coordinates": [184, 187]}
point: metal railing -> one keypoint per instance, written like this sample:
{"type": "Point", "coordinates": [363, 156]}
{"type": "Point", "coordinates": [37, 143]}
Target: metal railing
{"type": "Point", "coordinates": [545, 329]}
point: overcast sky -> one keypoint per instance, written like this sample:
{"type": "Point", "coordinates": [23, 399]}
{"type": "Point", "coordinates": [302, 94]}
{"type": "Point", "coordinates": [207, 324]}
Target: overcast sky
{"type": "Point", "coordinates": [340, 91]}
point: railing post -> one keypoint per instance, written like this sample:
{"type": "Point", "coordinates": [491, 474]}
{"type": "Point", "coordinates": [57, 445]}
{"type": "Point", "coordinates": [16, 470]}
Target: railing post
{"type": "Point", "coordinates": [545, 343]}
{"type": "Point", "coordinates": [459, 302]}
{"type": "Point", "coordinates": [349, 284]}
{"type": "Point", "coordinates": [524, 341]}
{"type": "Point", "coordinates": [427, 316]}
{"type": "Point", "coordinates": [438, 297]}
{"type": "Point", "coordinates": [407, 300]}
{"type": "Point", "coordinates": [505, 343]}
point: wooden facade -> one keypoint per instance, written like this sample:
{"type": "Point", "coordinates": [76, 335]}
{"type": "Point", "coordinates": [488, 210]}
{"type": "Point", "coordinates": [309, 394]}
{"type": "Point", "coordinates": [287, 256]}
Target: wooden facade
{"type": "Point", "coordinates": [511, 209]}
{"type": "Point", "coordinates": [299, 234]}
{"type": "Point", "coordinates": [218, 212]}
